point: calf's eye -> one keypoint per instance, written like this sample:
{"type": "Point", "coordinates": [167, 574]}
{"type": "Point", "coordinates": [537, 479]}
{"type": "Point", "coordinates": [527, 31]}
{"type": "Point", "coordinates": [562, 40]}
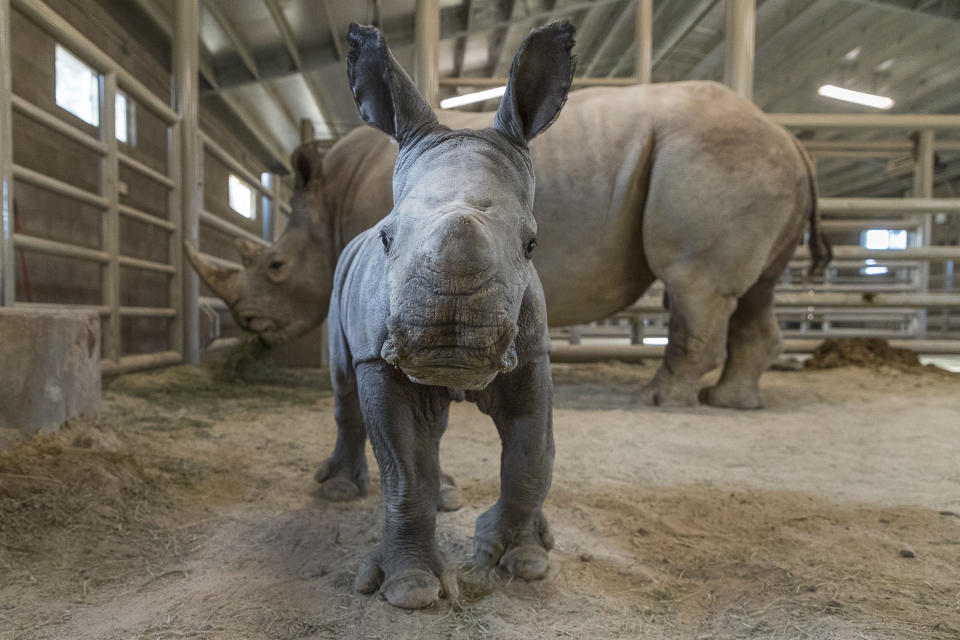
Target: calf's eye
{"type": "Point", "coordinates": [531, 245]}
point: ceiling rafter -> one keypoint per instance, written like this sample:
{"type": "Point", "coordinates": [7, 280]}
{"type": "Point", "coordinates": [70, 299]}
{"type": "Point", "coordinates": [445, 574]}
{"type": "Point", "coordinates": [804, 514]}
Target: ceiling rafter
{"type": "Point", "coordinates": [602, 51]}
{"type": "Point", "coordinates": [286, 33]}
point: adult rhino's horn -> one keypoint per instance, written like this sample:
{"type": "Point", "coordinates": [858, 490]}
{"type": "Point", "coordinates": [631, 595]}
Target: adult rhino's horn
{"type": "Point", "coordinates": [219, 279]}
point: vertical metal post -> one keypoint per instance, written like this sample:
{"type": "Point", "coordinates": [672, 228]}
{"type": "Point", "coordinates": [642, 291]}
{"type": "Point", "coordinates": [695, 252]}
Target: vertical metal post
{"type": "Point", "coordinates": [109, 189]}
{"type": "Point", "coordinates": [643, 50]}
{"type": "Point", "coordinates": [7, 274]}
{"type": "Point", "coordinates": [268, 206]}
{"type": "Point", "coordinates": [923, 188]}
{"type": "Point", "coordinates": [427, 39]}
{"type": "Point", "coordinates": [186, 82]}
{"type": "Point", "coordinates": [278, 215]}
{"type": "Point", "coordinates": [306, 130]}
{"type": "Point", "coordinates": [739, 48]}
{"type": "Point", "coordinates": [174, 206]}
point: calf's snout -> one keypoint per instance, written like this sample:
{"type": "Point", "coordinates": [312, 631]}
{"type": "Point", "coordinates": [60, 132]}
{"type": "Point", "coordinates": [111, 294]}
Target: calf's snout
{"type": "Point", "coordinates": [461, 244]}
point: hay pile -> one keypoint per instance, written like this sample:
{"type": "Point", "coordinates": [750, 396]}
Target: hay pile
{"type": "Point", "coordinates": [862, 352]}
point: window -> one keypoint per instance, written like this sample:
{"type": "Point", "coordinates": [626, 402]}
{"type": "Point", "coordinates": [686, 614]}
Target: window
{"type": "Point", "coordinates": [77, 87]}
{"type": "Point", "coordinates": [125, 119]}
{"type": "Point", "coordinates": [241, 197]}
{"type": "Point", "coordinates": [883, 239]}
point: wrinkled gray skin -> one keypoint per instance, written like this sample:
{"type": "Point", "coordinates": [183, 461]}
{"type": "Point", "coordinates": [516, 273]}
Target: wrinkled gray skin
{"type": "Point", "coordinates": [686, 182]}
{"type": "Point", "coordinates": [440, 301]}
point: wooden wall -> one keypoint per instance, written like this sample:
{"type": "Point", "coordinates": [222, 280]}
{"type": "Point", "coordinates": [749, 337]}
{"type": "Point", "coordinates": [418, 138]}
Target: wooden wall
{"type": "Point", "coordinates": [53, 279]}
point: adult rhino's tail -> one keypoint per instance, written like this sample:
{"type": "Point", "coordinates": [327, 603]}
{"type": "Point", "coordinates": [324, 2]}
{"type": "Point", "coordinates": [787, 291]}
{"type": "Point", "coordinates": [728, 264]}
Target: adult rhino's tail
{"type": "Point", "coordinates": [821, 253]}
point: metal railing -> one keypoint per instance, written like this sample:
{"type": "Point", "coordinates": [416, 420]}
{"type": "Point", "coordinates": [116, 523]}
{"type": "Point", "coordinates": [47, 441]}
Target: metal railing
{"type": "Point", "coordinates": [107, 198]}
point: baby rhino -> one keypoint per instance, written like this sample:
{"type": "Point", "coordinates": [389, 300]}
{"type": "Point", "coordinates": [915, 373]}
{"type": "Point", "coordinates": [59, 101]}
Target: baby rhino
{"type": "Point", "coordinates": [440, 301]}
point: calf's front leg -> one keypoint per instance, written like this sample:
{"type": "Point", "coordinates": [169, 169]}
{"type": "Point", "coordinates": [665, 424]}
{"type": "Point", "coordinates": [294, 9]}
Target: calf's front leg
{"type": "Point", "coordinates": [403, 421]}
{"type": "Point", "coordinates": [513, 534]}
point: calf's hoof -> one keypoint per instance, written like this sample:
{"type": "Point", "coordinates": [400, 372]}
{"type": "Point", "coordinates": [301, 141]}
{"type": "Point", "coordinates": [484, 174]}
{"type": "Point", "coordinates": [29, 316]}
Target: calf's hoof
{"type": "Point", "coordinates": [528, 562]}
{"type": "Point", "coordinates": [732, 397]}
{"type": "Point", "coordinates": [339, 483]}
{"type": "Point", "coordinates": [449, 497]}
{"type": "Point", "coordinates": [408, 588]}
{"type": "Point", "coordinates": [519, 553]}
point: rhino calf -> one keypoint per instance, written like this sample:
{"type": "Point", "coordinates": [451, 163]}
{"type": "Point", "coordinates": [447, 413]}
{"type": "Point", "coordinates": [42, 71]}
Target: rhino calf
{"type": "Point", "coordinates": [440, 300]}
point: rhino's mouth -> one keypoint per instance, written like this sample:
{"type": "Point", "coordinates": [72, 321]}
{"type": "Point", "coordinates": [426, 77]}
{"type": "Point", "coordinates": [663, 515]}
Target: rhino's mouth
{"type": "Point", "coordinates": [451, 356]}
{"type": "Point", "coordinates": [268, 329]}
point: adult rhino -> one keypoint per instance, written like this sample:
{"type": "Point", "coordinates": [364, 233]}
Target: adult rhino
{"type": "Point", "coordinates": [686, 182]}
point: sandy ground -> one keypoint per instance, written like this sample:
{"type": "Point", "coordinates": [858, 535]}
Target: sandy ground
{"type": "Point", "coordinates": [189, 511]}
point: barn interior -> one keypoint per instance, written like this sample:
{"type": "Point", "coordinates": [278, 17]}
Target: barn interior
{"type": "Point", "coordinates": [166, 489]}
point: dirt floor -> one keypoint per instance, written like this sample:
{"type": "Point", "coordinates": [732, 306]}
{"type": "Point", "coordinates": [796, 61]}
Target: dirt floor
{"type": "Point", "coordinates": [189, 511]}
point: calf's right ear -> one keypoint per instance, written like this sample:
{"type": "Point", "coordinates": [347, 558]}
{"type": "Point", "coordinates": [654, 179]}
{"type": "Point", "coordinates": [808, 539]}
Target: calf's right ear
{"type": "Point", "coordinates": [385, 95]}
{"type": "Point", "coordinates": [539, 82]}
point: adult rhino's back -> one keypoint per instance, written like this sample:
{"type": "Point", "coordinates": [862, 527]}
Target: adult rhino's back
{"type": "Point", "coordinates": [711, 153]}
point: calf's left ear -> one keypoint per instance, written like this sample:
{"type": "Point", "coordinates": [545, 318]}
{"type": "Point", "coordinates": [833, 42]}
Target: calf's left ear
{"type": "Point", "coordinates": [539, 82]}
{"type": "Point", "coordinates": [385, 95]}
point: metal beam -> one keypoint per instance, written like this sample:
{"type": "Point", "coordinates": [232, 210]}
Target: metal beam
{"type": "Point", "coordinates": [601, 52]}
{"type": "Point", "coordinates": [335, 37]}
{"type": "Point", "coordinates": [681, 29]}
{"type": "Point", "coordinates": [902, 10]}
{"type": "Point", "coordinates": [427, 40]}
{"type": "Point", "coordinates": [248, 59]}
{"type": "Point", "coordinates": [451, 26]}
{"type": "Point", "coordinates": [643, 43]}
{"type": "Point", "coordinates": [110, 228]}
{"type": "Point", "coordinates": [578, 81]}
{"type": "Point", "coordinates": [274, 148]}
{"type": "Point", "coordinates": [460, 48]}
{"type": "Point", "coordinates": [187, 98]}
{"type": "Point", "coordinates": [283, 26]}
{"type": "Point", "coordinates": [7, 274]}
{"type": "Point", "coordinates": [235, 40]}
{"type": "Point", "coordinates": [741, 35]}
{"type": "Point", "coordinates": [868, 120]}
{"type": "Point", "coordinates": [268, 141]}
{"type": "Point", "coordinates": [162, 22]}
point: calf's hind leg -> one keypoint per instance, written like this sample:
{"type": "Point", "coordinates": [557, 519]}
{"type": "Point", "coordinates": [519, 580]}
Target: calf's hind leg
{"type": "Point", "coordinates": [752, 342]}
{"type": "Point", "coordinates": [449, 497]}
{"type": "Point", "coordinates": [344, 476]}
{"type": "Point", "coordinates": [698, 325]}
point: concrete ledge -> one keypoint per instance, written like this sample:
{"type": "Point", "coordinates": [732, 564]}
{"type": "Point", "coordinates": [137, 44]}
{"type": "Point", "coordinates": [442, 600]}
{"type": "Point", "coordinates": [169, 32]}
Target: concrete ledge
{"type": "Point", "coordinates": [49, 368]}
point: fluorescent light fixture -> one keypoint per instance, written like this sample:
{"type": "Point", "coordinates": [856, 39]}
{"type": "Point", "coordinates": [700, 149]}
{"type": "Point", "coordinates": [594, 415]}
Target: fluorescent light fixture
{"type": "Point", "coordinates": [470, 98]}
{"type": "Point", "coordinates": [656, 341]}
{"type": "Point", "coordinates": [857, 97]}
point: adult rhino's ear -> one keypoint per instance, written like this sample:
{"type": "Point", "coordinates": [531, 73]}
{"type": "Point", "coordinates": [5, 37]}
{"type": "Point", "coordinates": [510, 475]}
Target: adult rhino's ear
{"type": "Point", "coordinates": [307, 163]}
{"type": "Point", "coordinates": [385, 95]}
{"type": "Point", "coordinates": [249, 252]}
{"type": "Point", "coordinates": [539, 82]}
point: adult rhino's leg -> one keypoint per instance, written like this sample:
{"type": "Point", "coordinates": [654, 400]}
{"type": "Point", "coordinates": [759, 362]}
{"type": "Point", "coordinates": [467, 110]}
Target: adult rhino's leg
{"type": "Point", "coordinates": [753, 341]}
{"type": "Point", "coordinates": [344, 476]}
{"type": "Point", "coordinates": [403, 421]}
{"type": "Point", "coordinates": [699, 314]}
{"type": "Point", "coordinates": [513, 534]}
